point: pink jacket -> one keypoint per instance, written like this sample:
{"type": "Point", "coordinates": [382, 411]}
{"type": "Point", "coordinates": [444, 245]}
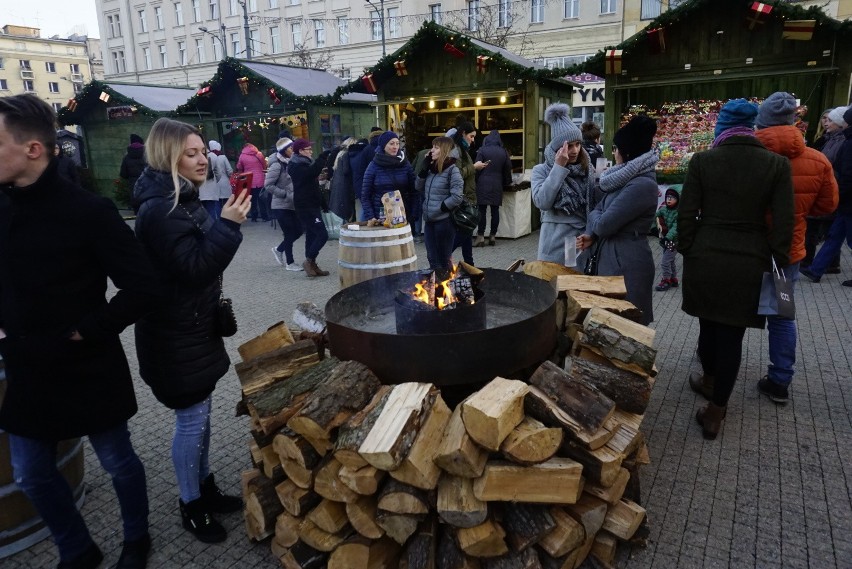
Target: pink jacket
{"type": "Point", "coordinates": [252, 160]}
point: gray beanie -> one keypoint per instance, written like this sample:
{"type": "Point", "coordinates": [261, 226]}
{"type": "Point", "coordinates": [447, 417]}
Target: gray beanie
{"type": "Point", "coordinates": [778, 109]}
{"type": "Point", "coordinates": [562, 128]}
{"type": "Point", "coordinates": [836, 116]}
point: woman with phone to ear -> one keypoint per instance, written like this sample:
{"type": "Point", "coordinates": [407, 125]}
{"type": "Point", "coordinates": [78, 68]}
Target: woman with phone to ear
{"type": "Point", "coordinates": [181, 355]}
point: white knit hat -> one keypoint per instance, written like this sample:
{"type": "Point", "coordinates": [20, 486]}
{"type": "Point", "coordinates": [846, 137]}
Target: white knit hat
{"type": "Point", "coordinates": [562, 128]}
{"type": "Point", "coordinates": [282, 144]}
{"type": "Point", "coordinates": [836, 116]}
{"type": "Point", "coordinates": [213, 145]}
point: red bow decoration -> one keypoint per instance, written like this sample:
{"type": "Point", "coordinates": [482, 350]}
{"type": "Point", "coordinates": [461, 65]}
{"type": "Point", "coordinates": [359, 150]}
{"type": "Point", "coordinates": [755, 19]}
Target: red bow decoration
{"type": "Point", "coordinates": [657, 40]}
{"type": "Point", "coordinates": [273, 96]}
{"type": "Point", "coordinates": [369, 83]}
{"type": "Point", "coordinates": [242, 82]}
{"type": "Point", "coordinates": [204, 91]}
{"type": "Point", "coordinates": [400, 68]}
{"type": "Point", "coordinates": [453, 50]}
{"type": "Point", "coordinates": [71, 104]}
{"type": "Point", "coordinates": [760, 9]}
{"type": "Point", "coordinates": [482, 63]}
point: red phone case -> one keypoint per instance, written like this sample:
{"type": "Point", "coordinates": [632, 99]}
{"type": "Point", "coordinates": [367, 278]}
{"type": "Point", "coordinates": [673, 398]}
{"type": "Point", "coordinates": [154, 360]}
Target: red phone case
{"type": "Point", "coordinates": [241, 181]}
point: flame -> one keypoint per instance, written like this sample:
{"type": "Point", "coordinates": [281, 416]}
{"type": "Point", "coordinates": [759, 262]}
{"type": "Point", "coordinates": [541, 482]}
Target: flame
{"type": "Point", "coordinates": [444, 296]}
{"type": "Point", "coordinates": [420, 294]}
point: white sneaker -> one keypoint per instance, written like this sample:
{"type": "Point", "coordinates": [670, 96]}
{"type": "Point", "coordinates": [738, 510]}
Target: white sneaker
{"type": "Point", "coordinates": [279, 256]}
{"type": "Point", "coordinates": [294, 267]}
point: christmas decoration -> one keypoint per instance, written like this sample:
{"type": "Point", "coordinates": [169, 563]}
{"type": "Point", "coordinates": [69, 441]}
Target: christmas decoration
{"type": "Point", "coordinates": [399, 65]}
{"type": "Point", "coordinates": [801, 30]}
{"type": "Point", "coordinates": [273, 96]}
{"type": "Point", "coordinates": [613, 62]}
{"type": "Point", "coordinates": [482, 63]}
{"type": "Point", "coordinates": [104, 96]}
{"type": "Point", "coordinates": [204, 92]}
{"type": "Point", "coordinates": [71, 104]}
{"type": "Point", "coordinates": [453, 50]}
{"type": "Point", "coordinates": [759, 10]}
{"type": "Point", "coordinates": [369, 83]}
{"type": "Point", "coordinates": [243, 83]}
{"type": "Point", "coordinates": [657, 41]}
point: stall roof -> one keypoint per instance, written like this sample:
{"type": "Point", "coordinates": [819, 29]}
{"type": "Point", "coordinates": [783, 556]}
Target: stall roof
{"type": "Point", "coordinates": [304, 81]}
{"type": "Point", "coordinates": [152, 100]}
{"type": "Point", "coordinates": [160, 99]}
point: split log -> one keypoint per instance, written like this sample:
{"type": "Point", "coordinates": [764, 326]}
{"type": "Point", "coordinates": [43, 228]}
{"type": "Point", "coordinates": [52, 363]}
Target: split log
{"type": "Point", "coordinates": [291, 446]}
{"type": "Point", "coordinates": [629, 391]}
{"type": "Point", "coordinates": [329, 516]}
{"type": "Point", "coordinates": [253, 531]}
{"type": "Point", "coordinates": [418, 468]}
{"type": "Point", "coordinates": [268, 369]}
{"type": "Point", "coordinates": [612, 287]}
{"type": "Point", "coordinates": [531, 442]}
{"type": "Point", "coordinates": [262, 504]}
{"type": "Point", "coordinates": [276, 336]}
{"type": "Point", "coordinates": [301, 476]}
{"type": "Point", "coordinates": [585, 404]}
{"type": "Point", "coordinates": [287, 530]}
{"type": "Point", "coordinates": [303, 556]}
{"type": "Point", "coordinates": [485, 540]}
{"type": "Point", "coordinates": [600, 465]}
{"type": "Point", "coordinates": [557, 481]}
{"type": "Point", "coordinates": [621, 339]}
{"type": "Point", "coordinates": [352, 433]}
{"type": "Point", "coordinates": [359, 552]}
{"type": "Point", "coordinates": [604, 547]}
{"type": "Point", "coordinates": [309, 317]}
{"type": "Point", "coordinates": [274, 406]}
{"type": "Point", "coordinates": [449, 554]}
{"type": "Point", "coordinates": [272, 468]}
{"type": "Point", "coordinates": [526, 559]}
{"type": "Point", "coordinates": [256, 455]}
{"type": "Point", "coordinates": [398, 498]}
{"type": "Point", "coordinates": [456, 503]}
{"type": "Point", "coordinates": [458, 454]}
{"type": "Point", "coordinates": [561, 313]}
{"type": "Point", "coordinates": [362, 515]}
{"type": "Point", "coordinates": [397, 527]}
{"type": "Point", "coordinates": [394, 431]}
{"type": "Point", "coordinates": [347, 390]}
{"type": "Point", "coordinates": [540, 406]}
{"type": "Point", "coordinates": [546, 270]}
{"type": "Point", "coordinates": [526, 524]}
{"type": "Point", "coordinates": [420, 551]}
{"type": "Point", "coordinates": [629, 437]}
{"type": "Point", "coordinates": [319, 539]}
{"type": "Point", "coordinates": [579, 303]}
{"type": "Point", "coordinates": [550, 562]}
{"type": "Point", "coordinates": [609, 494]}
{"type": "Point", "coordinates": [623, 519]}
{"type": "Point", "coordinates": [278, 548]}
{"type": "Point", "coordinates": [364, 481]}
{"type": "Point", "coordinates": [327, 482]}
{"type": "Point", "coordinates": [297, 501]}
{"type": "Point", "coordinates": [567, 535]}
{"type": "Point", "coordinates": [491, 413]}
{"type": "Point", "coordinates": [582, 552]}
{"type": "Point", "coordinates": [590, 512]}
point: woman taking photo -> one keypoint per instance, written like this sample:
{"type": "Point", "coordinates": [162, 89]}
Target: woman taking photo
{"type": "Point", "coordinates": [442, 185]}
{"type": "Point", "coordinates": [181, 356]}
{"type": "Point", "coordinates": [617, 227]}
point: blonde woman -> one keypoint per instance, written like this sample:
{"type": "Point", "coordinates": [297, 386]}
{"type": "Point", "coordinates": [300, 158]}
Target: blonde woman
{"type": "Point", "coordinates": [441, 183]}
{"type": "Point", "coordinates": [181, 357]}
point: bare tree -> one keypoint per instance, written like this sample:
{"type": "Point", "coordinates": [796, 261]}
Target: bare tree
{"type": "Point", "coordinates": [494, 24]}
{"type": "Point", "coordinates": [304, 56]}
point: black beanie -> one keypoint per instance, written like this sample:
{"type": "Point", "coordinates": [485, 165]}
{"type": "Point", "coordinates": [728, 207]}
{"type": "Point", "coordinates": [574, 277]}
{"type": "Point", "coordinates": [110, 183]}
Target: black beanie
{"type": "Point", "coordinates": [136, 138]}
{"type": "Point", "coordinates": [636, 137]}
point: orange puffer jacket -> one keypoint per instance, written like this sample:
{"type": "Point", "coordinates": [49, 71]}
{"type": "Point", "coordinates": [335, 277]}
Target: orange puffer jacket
{"type": "Point", "coordinates": [814, 185]}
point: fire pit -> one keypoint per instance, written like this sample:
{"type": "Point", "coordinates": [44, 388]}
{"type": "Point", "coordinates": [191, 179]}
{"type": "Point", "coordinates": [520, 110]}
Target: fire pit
{"type": "Point", "coordinates": [519, 333]}
{"type": "Point", "coordinates": [439, 302]}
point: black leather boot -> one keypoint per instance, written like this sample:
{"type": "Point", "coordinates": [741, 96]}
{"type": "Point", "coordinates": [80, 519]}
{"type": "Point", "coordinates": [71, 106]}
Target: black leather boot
{"type": "Point", "coordinates": [199, 521]}
{"type": "Point", "coordinates": [134, 554]}
{"type": "Point", "coordinates": [89, 559]}
{"type": "Point", "coordinates": [216, 500]}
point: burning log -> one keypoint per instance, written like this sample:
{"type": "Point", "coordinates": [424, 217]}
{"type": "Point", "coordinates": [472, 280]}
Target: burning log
{"type": "Point", "coordinates": [492, 413]}
{"type": "Point", "coordinates": [457, 505]}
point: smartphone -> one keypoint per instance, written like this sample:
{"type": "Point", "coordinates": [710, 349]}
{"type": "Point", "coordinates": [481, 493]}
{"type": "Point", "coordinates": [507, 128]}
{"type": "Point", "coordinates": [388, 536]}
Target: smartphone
{"type": "Point", "coordinates": [241, 181]}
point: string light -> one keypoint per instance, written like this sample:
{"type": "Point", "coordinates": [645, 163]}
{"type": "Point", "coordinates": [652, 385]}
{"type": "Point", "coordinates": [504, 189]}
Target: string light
{"type": "Point", "coordinates": [431, 103]}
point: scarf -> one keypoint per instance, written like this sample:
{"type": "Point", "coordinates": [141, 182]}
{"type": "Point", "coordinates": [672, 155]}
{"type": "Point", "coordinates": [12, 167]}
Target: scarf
{"type": "Point", "coordinates": [573, 193]}
{"type": "Point", "coordinates": [388, 161]}
{"type": "Point", "coordinates": [617, 177]}
{"type": "Point", "coordinates": [733, 131]}
{"type": "Point", "coordinates": [832, 145]}
{"type": "Point", "coordinates": [433, 167]}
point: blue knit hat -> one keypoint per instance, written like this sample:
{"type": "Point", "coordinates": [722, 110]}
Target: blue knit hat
{"type": "Point", "coordinates": [384, 138]}
{"type": "Point", "coordinates": [736, 112]}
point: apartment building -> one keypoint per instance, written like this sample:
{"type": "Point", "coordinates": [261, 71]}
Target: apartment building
{"type": "Point", "coordinates": [52, 68]}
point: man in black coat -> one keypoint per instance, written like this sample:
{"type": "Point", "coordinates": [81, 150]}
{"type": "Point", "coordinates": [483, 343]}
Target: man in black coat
{"type": "Point", "coordinates": [66, 372]}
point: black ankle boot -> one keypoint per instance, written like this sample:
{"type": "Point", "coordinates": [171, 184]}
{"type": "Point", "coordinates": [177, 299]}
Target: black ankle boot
{"type": "Point", "coordinates": [216, 500]}
{"type": "Point", "coordinates": [89, 559]}
{"type": "Point", "coordinates": [198, 520]}
{"type": "Point", "coordinates": [134, 554]}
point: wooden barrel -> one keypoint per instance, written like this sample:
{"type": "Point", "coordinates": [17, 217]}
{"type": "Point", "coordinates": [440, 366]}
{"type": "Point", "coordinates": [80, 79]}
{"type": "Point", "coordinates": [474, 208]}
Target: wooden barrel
{"type": "Point", "coordinates": [367, 253]}
{"type": "Point", "coordinates": [20, 524]}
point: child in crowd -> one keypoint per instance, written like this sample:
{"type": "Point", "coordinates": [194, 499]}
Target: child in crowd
{"type": "Point", "coordinates": [667, 222]}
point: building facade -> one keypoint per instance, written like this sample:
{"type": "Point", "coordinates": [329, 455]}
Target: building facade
{"type": "Point", "coordinates": [52, 68]}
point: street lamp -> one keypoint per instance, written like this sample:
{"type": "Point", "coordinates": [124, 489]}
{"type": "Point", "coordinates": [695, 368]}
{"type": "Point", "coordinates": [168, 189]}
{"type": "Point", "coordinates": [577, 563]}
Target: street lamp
{"type": "Point", "coordinates": [381, 20]}
{"type": "Point", "coordinates": [221, 39]}
{"type": "Point", "coordinates": [246, 29]}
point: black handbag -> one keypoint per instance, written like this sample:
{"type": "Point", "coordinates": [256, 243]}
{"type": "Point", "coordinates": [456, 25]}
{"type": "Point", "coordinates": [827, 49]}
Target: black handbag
{"type": "Point", "coordinates": [591, 267]}
{"type": "Point", "coordinates": [465, 217]}
{"type": "Point", "coordinates": [225, 321]}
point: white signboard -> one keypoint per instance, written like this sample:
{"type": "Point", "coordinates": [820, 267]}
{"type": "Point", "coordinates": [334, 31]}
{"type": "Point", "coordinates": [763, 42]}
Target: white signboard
{"type": "Point", "coordinates": [589, 95]}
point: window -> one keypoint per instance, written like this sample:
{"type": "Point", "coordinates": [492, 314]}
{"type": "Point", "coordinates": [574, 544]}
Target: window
{"type": "Point", "coordinates": [572, 9]}
{"type": "Point", "coordinates": [78, 88]}
{"type": "Point", "coordinates": [114, 25]}
{"type": "Point", "coordinates": [217, 48]}
{"type": "Point", "coordinates": [164, 58]}
{"type": "Point", "coordinates": [252, 5]}
{"type": "Point", "coordinates": [199, 50]}
{"type": "Point", "coordinates": [25, 64]}
{"type": "Point", "coordinates": [146, 58]}
{"type": "Point", "coordinates": [650, 9]}
{"type": "Point", "coordinates": [75, 68]}
{"type": "Point", "coordinates": [181, 52]}
{"type": "Point", "coordinates": [56, 107]}
{"type": "Point", "coordinates": [3, 85]}
{"type": "Point", "coordinates": [53, 87]}
{"type": "Point", "coordinates": [196, 11]}
{"type": "Point", "coordinates": [319, 33]}
{"type": "Point", "coordinates": [275, 37]}
{"type": "Point", "coordinates": [178, 13]}
{"type": "Point", "coordinates": [296, 34]}
{"type": "Point", "coordinates": [20, 46]}
{"type": "Point", "coordinates": [118, 61]}
{"type": "Point", "coordinates": [50, 67]}
{"type": "Point", "coordinates": [375, 26]}
{"type": "Point", "coordinates": [435, 13]}
{"type": "Point", "coordinates": [537, 11]}
{"type": "Point", "coordinates": [675, 3]}
{"type": "Point", "coordinates": [273, 4]}
{"type": "Point", "coordinates": [253, 42]}
{"type": "Point", "coordinates": [143, 23]}
{"type": "Point", "coordinates": [504, 9]}
{"type": "Point", "coordinates": [2, 63]}
{"type": "Point", "coordinates": [158, 17]}
{"type": "Point", "coordinates": [235, 45]}
{"type": "Point", "coordinates": [473, 15]}
{"type": "Point", "coordinates": [394, 27]}
{"type": "Point", "coordinates": [345, 74]}
{"type": "Point", "coordinates": [607, 6]}
{"type": "Point", "coordinates": [294, 2]}
{"type": "Point", "coordinates": [233, 7]}
{"type": "Point", "coordinates": [342, 30]}
{"type": "Point", "coordinates": [28, 85]}
{"type": "Point", "coordinates": [214, 9]}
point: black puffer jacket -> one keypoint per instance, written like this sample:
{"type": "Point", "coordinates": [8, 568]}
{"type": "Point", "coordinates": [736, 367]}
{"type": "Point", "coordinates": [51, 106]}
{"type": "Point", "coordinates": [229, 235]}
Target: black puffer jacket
{"type": "Point", "coordinates": [307, 195]}
{"type": "Point", "coordinates": [133, 164]}
{"type": "Point", "coordinates": [180, 356]}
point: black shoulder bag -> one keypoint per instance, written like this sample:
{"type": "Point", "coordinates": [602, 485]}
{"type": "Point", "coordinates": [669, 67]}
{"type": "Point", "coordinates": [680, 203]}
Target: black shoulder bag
{"type": "Point", "coordinates": [591, 267]}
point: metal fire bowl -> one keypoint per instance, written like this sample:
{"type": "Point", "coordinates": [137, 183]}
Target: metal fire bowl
{"type": "Point", "coordinates": [520, 332]}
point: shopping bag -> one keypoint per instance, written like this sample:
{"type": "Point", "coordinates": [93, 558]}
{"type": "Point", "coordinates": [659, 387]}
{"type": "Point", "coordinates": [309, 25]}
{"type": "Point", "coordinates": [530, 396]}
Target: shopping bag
{"type": "Point", "coordinates": [332, 224]}
{"type": "Point", "coordinates": [776, 295]}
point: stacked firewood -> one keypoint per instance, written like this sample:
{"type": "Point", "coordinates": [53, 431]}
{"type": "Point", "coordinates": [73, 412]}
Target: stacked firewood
{"type": "Point", "coordinates": [350, 473]}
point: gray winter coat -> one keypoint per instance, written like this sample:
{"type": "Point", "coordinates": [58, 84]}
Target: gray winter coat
{"type": "Point", "coordinates": [445, 187]}
{"type": "Point", "coordinates": [278, 182]}
{"type": "Point", "coordinates": [222, 171]}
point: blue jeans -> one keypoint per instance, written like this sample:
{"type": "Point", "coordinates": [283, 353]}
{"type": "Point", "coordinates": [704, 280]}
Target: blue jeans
{"type": "Point", "coordinates": [34, 467]}
{"type": "Point", "coordinates": [438, 237]}
{"type": "Point", "coordinates": [782, 339]}
{"type": "Point", "coordinates": [292, 229]}
{"type": "Point", "coordinates": [191, 448]}
{"type": "Point", "coordinates": [841, 230]}
{"type": "Point", "coordinates": [316, 235]}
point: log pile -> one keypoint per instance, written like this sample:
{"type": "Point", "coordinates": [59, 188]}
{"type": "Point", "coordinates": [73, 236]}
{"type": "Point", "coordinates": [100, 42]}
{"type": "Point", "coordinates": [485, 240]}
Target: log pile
{"type": "Point", "coordinates": [352, 474]}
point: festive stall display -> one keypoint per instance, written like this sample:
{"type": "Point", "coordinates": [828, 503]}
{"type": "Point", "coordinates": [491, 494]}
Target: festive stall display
{"type": "Point", "coordinates": [401, 70]}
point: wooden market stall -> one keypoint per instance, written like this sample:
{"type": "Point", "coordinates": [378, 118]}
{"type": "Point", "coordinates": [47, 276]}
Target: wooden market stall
{"type": "Point", "coordinates": [695, 57]}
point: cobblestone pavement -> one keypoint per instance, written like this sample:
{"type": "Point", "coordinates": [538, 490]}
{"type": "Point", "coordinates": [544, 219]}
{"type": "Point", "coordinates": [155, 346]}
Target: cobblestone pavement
{"type": "Point", "coordinates": [772, 491]}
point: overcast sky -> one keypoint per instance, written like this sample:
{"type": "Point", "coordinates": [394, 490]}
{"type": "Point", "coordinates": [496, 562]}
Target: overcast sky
{"type": "Point", "coordinates": [54, 17]}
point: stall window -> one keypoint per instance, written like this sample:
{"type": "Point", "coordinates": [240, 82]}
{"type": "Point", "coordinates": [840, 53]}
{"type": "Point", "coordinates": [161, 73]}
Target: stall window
{"type": "Point", "coordinates": [607, 6]}
{"type": "Point", "coordinates": [330, 130]}
{"type": "Point", "coordinates": [342, 30]}
{"type": "Point", "coordinates": [473, 15]}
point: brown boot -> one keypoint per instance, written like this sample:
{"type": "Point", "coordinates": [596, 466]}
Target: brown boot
{"type": "Point", "coordinates": [702, 384]}
{"type": "Point", "coordinates": [710, 418]}
{"type": "Point", "coordinates": [480, 241]}
{"type": "Point", "coordinates": [319, 272]}
{"type": "Point", "coordinates": [309, 265]}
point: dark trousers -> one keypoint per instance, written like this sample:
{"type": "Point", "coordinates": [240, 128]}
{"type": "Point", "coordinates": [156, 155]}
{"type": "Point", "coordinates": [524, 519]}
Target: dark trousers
{"type": "Point", "coordinates": [292, 229]}
{"type": "Point", "coordinates": [495, 219]}
{"type": "Point", "coordinates": [815, 233]}
{"type": "Point", "coordinates": [720, 349]}
{"type": "Point", "coordinates": [258, 206]}
{"type": "Point", "coordinates": [438, 237]}
{"type": "Point", "coordinates": [316, 235]}
{"type": "Point", "coordinates": [465, 240]}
